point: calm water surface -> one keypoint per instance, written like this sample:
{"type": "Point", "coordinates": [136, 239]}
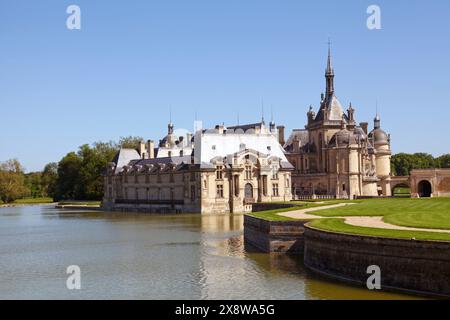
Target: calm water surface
{"type": "Point", "coordinates": [130, 256]}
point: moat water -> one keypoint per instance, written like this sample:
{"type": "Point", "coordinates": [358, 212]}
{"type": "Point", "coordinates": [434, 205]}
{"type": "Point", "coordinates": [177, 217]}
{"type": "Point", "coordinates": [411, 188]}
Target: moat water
{"type": "Point", "coordinates": [131, 256]}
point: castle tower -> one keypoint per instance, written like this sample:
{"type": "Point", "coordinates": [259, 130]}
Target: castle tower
{"type": "Point", "coordinates": [382, 144]}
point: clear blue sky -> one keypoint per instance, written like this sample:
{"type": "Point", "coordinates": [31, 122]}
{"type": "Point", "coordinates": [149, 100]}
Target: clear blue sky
{"type": "Point", "coordinates": [118, 75]}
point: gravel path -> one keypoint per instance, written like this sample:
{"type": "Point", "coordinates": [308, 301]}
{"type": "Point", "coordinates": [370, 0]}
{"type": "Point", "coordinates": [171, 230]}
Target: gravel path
{"type": "Point", "coordinates": [371, 222]}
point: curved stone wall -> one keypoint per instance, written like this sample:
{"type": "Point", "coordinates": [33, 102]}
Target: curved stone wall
{"type": "Point", "coordinates": [274, 236]}
{"type": "Point", "coordinates": [407, 265]}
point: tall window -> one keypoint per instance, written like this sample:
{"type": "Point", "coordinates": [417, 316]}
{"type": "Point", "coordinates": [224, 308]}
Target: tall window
{"type": "Point", "coordinates": [248, 172]}
{"type": "Point", "coordinates": [264, 180]}
{"type": "Point", "coordinates": [192, 193]}
{"type": "Point", "coordinates": [219, 191]}
{"type": "Point", "coordinates": [275, 173]}
{"type": "Point", "coordinates": [275, 190]}
{"type": "Point", "coordinates": [219, 172]}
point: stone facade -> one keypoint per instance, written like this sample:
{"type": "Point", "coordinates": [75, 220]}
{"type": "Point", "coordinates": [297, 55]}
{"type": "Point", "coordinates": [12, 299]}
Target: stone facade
{"type": "Point", "coordinates": [335, 156]}
{"type": "Point", "coordinates": [430, 183]}
{"type": "Point", "coordinates": [220, 170]}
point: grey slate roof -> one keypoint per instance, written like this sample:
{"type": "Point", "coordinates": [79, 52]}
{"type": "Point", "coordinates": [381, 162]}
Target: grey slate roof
{"type": "Point", "coordinates": [124, 157]}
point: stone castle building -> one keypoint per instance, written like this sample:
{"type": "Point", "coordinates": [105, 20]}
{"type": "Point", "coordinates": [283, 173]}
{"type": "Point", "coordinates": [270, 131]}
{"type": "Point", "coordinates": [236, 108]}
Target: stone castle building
{"type": "Point", "coordinates": [219, 170]}
{"type": "Point", "coordinates": [225, 170]}
{"type": "Point", "coordinates": [334, 156]}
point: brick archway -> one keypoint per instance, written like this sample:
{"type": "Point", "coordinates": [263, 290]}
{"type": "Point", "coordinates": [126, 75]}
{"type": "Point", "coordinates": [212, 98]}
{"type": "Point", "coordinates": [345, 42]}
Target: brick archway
{"type": "Point", "coordinates": [425, 189]}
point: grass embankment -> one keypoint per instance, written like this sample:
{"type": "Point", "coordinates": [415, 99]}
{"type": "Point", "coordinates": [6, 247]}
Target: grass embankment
{"type": "Point", "coordinates": [79, 203]}
{"type": "Point", "coordinates": [273, 215]}
{"type": "Point", "coordinates": [338, 225]}
{"type": "Point", "coordinates": [416, 213]}
{"type": "Point", "coordinates": [30, 201]}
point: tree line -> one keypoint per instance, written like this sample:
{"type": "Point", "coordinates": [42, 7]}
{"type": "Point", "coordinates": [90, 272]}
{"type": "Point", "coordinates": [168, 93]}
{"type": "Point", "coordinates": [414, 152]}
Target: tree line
{"type": "Point", "coordinates": [77, 176]}
{"type": "Point", "coordinates": [403, 163]}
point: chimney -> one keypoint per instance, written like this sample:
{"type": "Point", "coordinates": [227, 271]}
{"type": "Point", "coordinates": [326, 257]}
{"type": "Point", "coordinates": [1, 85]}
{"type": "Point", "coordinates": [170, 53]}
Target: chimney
{"type": "Point", "coordinates": [296, 145]}
{"type": "Point", "coordinates": [151, 149]}
{"type": "Point", "coordinates": [142, 150]}
{"type": "Point", "coordinates": [364, 126]}
{"type": "Point", "coordinates": [281, 135]}
{"type": "Point", "coordinates": [220, 128]}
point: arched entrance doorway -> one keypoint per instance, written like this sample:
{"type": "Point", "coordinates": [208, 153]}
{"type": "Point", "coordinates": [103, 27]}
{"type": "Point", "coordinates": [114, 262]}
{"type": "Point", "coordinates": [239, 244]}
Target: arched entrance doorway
{"type": "Point", "coordinates": [248, 191]}
{"type": "Point", "coordinates": [424, 189]}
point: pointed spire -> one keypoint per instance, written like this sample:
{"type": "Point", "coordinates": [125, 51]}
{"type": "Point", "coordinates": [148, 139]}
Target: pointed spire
{"type": "Point", "coordinates": [262, 111]}
{"type": "Point", "coordinates": [329, 62]}
{"type": "Point", "coordinates": [329, 73]}
{"type": "Point", "coordinates": [377, 119]}
{"type": "Point", "coordinates": [271, 114]}
{"type": "Point", "coordinates": [170, 125]}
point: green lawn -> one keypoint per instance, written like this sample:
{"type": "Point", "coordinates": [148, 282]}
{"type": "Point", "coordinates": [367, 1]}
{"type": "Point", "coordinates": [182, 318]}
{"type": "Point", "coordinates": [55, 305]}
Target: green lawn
{"type": "Point", "coordinates": [338, 225]}
{"type": "Point", "coordinates": [433, 213]}
{"type": "Point", "coordinates": [32, 201]}
{"type": "Point", "coordinates": [272, 215]}
{"type": "Point", "coordinates": [402, 192]}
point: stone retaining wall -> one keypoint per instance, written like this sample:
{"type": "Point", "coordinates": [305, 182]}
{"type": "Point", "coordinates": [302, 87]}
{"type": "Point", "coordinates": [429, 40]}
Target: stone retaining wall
{"type": "Point", "coordinates": [274, 236]}
{"type": "Point", "coordinates": [406, 265]}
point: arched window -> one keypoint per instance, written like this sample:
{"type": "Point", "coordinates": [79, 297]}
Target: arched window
{"type": "Point", "coordinates": [248, 191]}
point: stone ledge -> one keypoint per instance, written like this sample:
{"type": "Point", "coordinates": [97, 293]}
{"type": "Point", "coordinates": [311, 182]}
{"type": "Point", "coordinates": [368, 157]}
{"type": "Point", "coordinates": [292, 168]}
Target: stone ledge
{"type": "Point", "coordinates": [274, 236]}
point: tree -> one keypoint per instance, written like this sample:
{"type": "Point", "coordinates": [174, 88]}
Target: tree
{"type": "Point", "coordinates": [444, 161]}
{"type": "Point", "coordinates": [49, 179]}
{"type": "Point", "coordinates": [403, 163]}
{"type": "Point", "coordinates": [33, 182]}
{"type": "Point", "coordinates": [79, 175]}
{"type": "Point", "coordinates": [130, 142]}
{"type": "Point", "coordinates": [94, 164]}
{"type": "Point", "coordinates": [69, 182]}
{"type": "Point", "coordinates": [12, 181]}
